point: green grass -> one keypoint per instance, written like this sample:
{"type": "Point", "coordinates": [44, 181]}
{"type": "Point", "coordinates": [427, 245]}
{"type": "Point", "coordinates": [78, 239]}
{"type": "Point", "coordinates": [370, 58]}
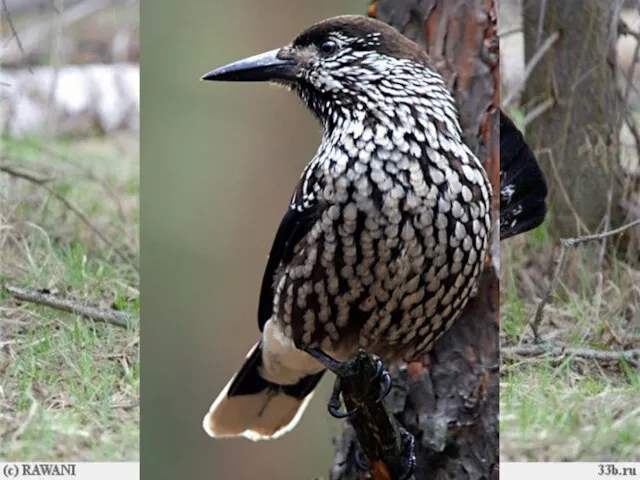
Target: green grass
{"type": "Point", "coordinates": [550, 412]}
{"type": "Point", "coordinates": [69, 387]}
{"type": "Point", "coordinates": [569, 409]}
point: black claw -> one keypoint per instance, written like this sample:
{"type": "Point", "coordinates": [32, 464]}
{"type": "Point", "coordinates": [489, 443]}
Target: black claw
{"type": "Point", "coordinates": [334, 402]}
{"type": "Point", "coordinates": [334, 409]}
{"type": "Point", "coordinates": [385, 379]}
{"type": "Point", "coordinates": [379, 367]}
{"type": "Point", "coordinates": [409, 454]}
{"type": "Point", "coordinates": [386, 386]}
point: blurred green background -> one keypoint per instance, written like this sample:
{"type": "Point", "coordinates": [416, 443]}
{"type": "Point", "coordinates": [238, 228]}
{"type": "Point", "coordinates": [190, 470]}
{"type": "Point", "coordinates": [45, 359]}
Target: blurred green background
{"type": "Point", "coordinates": [219, 163]}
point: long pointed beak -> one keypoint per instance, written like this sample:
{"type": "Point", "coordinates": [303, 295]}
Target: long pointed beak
{"type": "Point", "coordinates": [259, 68]}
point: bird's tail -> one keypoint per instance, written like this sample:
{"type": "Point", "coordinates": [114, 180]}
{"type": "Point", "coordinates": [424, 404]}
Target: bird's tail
{"type": "Point", "coordinates": [523, 189]}
{"type": "Point", "coordinates": [255, 408]}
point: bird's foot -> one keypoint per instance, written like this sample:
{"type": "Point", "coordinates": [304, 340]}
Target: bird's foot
{"type": "Point", "coordinates": [408, 454]}
{"type": "Point", "coordinates": [383, 376]}
{"type": "Point", "coordinates": [350, 368]}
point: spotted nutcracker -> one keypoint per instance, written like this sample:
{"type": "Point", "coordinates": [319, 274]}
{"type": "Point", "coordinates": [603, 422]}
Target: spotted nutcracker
{"type": "Point", "coordinates": [387, 230]}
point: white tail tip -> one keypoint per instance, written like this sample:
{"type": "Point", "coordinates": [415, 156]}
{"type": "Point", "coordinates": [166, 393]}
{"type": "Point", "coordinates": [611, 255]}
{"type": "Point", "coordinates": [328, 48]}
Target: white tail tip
{"type": "Point", "coordinates": [262, 416]}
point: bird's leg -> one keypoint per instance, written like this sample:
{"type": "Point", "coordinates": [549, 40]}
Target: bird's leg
{"type": "Point", "coordinates": [345, 369]}
{"type": "Point", "coordinates": [327, 360]}
{"type": "Point", "coordinates": [337, 368]}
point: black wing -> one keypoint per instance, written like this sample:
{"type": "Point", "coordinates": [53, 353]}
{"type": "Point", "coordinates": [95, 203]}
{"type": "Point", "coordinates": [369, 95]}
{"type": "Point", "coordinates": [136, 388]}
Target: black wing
{"type": "Point", "coordinates": [296, 223]}
{"type": "Point", "coordinates": [523, 189]}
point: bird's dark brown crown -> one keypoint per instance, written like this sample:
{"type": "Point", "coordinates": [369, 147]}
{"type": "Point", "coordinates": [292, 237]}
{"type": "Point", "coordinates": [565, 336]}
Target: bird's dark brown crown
{"type": "Point", "coordinates": [391, 42]}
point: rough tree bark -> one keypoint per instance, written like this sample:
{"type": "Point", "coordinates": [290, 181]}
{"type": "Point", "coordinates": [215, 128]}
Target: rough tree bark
{"type": "Point", "coordinates": [449, 401]}
{"type": "Point", "coordinates": [577, 139]}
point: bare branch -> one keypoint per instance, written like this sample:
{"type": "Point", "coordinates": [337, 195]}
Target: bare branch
{"type": "Point", "coordinates": [546, 298]}
{"type": "Point", "coordinates": [38, 33]}
{"type": "Point", "coordinates": [624, 29]}
{"type": "Point", "coordinates": [558, 262]}
{"type": "Point", "coordinates": [535, 59]}
{"type": "Point", "coordinates": [538, 110]}
{"type": "Point", "coordinates": [96, 314]}
{"type": "Point", "coordinates": [42, 183]}
{"type": "Point", "coordinates": [14, 33]}
{"type": "Point", "coordinates": [572, 242]}
{"type": "Point", "coordinates": [631, 356]}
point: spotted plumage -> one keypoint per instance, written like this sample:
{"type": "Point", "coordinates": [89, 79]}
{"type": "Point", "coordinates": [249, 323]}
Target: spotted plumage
{"type": "Point", "coordinates": [386, 232]}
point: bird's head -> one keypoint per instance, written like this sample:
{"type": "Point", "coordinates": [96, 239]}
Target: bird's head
{"type": "Point", "coordinates": [344, 63]}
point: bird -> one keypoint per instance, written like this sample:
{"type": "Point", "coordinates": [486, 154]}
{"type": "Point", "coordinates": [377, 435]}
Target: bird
{"type": "Point", "coordinates": [386, 232]}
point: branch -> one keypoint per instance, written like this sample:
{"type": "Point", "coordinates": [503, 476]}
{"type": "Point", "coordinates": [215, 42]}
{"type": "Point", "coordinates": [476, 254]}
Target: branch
{"type": "Point", "coordinates": [631, 356]}
{"type": "Point", "coordinates": [43, 183]}
{"type": "Point", "coordinates": [572, 242]}
{"type": "Point", "coordinates": [535, 59]}
{"type": "Point", "coordinates": [558, 262]}
{"type": "Point", "coordinates": [625, 29]}
{"type": "Point", "coordinates": [37, 34]}
{"type": "Point", "coordinates": [14, 33]}
{"type": "Point", "coordinates": [538, 110]}
{"type": "Point", "coordinates": [96, 314]}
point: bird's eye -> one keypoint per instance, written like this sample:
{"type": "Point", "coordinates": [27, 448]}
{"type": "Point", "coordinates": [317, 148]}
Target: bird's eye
{"type": "Point", "coordinates": [328, 47]}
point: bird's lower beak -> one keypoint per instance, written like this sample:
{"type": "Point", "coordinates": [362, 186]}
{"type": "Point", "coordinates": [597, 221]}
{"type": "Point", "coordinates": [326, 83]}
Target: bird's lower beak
{"type": "Point", "coordinates": [259, 68]}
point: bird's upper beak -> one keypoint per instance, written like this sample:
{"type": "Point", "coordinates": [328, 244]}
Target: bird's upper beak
{"type": "Point", "coordinates": [259, 68]}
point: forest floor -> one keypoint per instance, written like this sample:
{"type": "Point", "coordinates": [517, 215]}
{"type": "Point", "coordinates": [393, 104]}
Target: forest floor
{"type": "Point", "coordinates": [69, 387]}
{"type": "Point", "coordinates": [568, 408]}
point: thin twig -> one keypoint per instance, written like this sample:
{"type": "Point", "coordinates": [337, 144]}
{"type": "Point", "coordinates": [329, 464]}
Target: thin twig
{"type": "Point", "coordinates": [539, 316]}
{"type": "Point", "coordinates": [89, 174]}
{"type": "Point", "coordinates": [563, 191]}
{"type": "Point", "coordinates": [543, 12]}
{"type": "Point", "coordinates": [512, 31]}
{"type": "Point", "coordinates": [624, 29]}
{"type": "Point", "coordinates": [531, 65]}
{"type": "Point", "coordinates": [631, 356]}
{"type": "Point", "coordinates": [572, 242]}
{"type": "Point", "coordinates": [635, 133]}
{"type": "Point", "coordinates": [36, 181]}
{"type": "Point", "coordinates": [558, 262]}
{"type": "Point", "coordinates": [37, 34]}
{"type": "Point", "coordinates": [96, 314]}
{"type": "Point", "coordinates": [538, 110]}
{"type": "Point", "coordinates": [14, 33]}
{"type": "Point", "coordinates": [601, 256]}
{"type": "Point", "coordinates": [16, 432]}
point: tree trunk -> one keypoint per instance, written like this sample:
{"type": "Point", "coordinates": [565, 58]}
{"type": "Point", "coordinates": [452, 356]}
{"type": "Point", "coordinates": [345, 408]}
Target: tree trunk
{"type": "Point", "coordinates": [449, 401]}
{"type": "Point", "coordinates": [577, 139]}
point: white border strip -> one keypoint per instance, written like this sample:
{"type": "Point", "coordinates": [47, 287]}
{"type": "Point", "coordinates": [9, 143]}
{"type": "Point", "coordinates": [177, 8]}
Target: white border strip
{"type": "Point", "coordinates": [569, 471]}
{"type": "Point", "coordinates": [70, 470]}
